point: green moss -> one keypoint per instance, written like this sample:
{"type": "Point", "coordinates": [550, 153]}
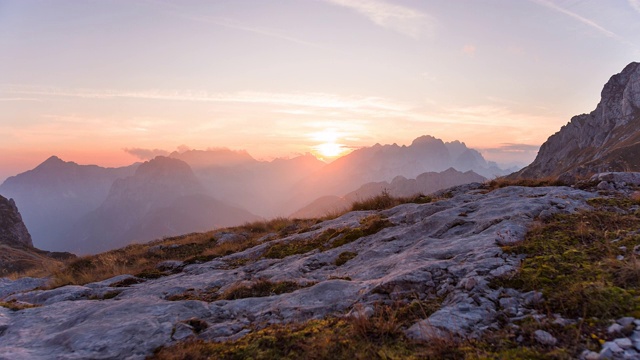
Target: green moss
{"type": "Point", "coordinates": [261, 288]}
{"type": "Point", "coordinates": [106, 296]}
{"type": "Point", "coordinates": [344, 257]}
{"type": "Point", "coordinates": [572, 260]}
{"type": "Point", "coordinates": [329, 239]}
{"type": "Point", "coordinates": [16, 305]}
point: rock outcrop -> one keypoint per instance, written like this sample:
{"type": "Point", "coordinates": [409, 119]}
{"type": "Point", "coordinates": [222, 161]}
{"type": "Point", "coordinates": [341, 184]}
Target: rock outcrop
{"type": "Point", "coordinates": [16, 248]}
{"type": "Point", "coordinates": [607, 139]}
{"type": "Point", "coordinates": [12, 229]}
{"type": "Point", "coordinates": [448, 249]}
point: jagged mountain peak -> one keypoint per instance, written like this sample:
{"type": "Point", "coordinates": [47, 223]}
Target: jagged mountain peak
{"type": "Point", "coordinates": [162, 166]}
{"type": "Point", "coordinates": [607, 139]}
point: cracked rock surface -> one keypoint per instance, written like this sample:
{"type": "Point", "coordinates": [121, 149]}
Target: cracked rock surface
{"type": "Point", "coordinates": [448, 249]}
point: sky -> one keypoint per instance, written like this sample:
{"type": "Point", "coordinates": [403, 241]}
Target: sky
{"type": "Point", "coordinates": [111, 82]}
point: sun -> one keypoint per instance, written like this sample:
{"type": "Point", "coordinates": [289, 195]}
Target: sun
{"type": "Point", "coordinates": [330, 149]}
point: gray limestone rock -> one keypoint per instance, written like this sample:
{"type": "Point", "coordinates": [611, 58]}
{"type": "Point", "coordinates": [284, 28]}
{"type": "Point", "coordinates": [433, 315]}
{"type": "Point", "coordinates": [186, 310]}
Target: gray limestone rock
{"type": "Point", "coordinates": [428, 249]}
{"type": "Point", "coordinates": [12, 229]}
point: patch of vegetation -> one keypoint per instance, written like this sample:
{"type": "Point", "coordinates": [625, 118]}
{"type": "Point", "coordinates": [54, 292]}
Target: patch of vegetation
{"type": "Point", "coordinates": [344, 257]}
{"type": "Point", "coordinates": [504, 182]}
{"type": "Point", "coordinates": [106, 296]}
{"type": "Point", "coordinates": [260, 288]}
{"type": "Point", "coordinates": [207, 295]}
{"type": "Point", "coordinates": [585, 264]}
{"type": "Point", "coordinates": [127, 282]}
{"type": "Point", "coordinates": [17, 305]}
{"type": "Point", "coordinates": [379, 336]}
{"type": "Point", "coordinates": [329, 239]}
{"type": "Point", "coordinates": [384, 201]}
{"type": "Point", "coordinates": [141, 259]}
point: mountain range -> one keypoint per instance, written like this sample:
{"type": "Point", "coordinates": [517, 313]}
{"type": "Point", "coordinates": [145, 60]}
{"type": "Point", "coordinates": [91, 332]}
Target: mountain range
{"type": "Point", "coordinates": [87, 208]}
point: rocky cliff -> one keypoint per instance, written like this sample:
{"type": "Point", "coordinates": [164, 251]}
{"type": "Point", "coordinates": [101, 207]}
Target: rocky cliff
{"type": "Point", "coordinates": [607, 139]}
{"type": "Point", "coordinates": [17, 253]}
{"type": "Point", "coordinates": [12, 229]}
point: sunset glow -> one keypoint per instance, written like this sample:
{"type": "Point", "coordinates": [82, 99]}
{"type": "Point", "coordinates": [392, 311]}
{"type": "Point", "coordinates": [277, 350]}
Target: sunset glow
{"type": "Point", "coordinates": [89, 81]}
{"type": "Point", "coordinates": [330, 150]}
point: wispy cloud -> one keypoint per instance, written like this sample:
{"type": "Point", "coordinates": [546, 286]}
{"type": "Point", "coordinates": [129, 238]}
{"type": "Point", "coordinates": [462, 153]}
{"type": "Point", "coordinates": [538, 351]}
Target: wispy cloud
{"type": "Point", "coordinates": [145, 154]}
{"type": "Point", "coordinates": [18, 99]}
{"type": "Point", "coordinates": [399, 18]}
{"type": "Point", "coordinates": [592, 24]}
{"type": "Point", "coordinates": [236, 25]}
{"type": "Point", "coordinates": [315, 100]}
{"type": "Point", "coordinates": [177, 10]}
{"type": "Point", "coordinates": [514, 148]}
{"type": "Point", "coordinates": [635, 4]}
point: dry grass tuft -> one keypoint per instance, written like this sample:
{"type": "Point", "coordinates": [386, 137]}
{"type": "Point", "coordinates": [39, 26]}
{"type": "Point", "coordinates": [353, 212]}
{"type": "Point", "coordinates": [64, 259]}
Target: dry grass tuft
{"type": "Point", "coordinates": [504, 182]}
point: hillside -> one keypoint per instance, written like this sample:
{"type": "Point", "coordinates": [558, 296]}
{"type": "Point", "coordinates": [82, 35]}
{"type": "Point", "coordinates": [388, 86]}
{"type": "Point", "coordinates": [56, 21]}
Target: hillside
{"type": "Point", "coordinates": [400, 187]}
{"type": "Point", "coordinates": [442, 272]}
{"type": "Point", "coordinates": [607, 139]}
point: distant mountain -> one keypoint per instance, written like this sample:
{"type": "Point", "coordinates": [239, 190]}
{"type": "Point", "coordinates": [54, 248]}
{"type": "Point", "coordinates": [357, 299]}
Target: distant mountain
{"type": "Point", "coordinates": [162, 198]}
{"type": "Point", "coordinates": [57, 193]}
{"type": "Point", "coordinates": [607, 139]}
{"type": "Point", "coordinates": [222, 157]}
{"type": "Point", "coordinates": [384, 163]}
{"type": "Point", "coordinates": [16, 248]}
{"type": "Point", "coordinates": [400, 186]}
{"type": "Point", "coordinates": [237, 178]}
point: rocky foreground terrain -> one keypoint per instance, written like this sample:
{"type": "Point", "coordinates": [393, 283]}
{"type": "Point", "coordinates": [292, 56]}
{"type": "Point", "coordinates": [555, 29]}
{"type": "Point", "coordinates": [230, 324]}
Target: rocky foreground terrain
{"type": "Point", "coordinates": [449, 251]}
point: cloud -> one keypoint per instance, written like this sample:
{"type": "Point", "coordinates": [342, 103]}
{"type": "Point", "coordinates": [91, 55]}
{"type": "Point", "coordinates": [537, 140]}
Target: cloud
{"type": "Point", "coordinates": [180, 11]}
{"type": "Point", "coordinates": [550, 5]}
{"type": "Point", "coordinates": [635, 4]}
{"type": "Point", "coordinates": [311, 100]}
{"type": "Point", "coordinates": [469, 50]}
{"type": "Point", "coordinates": [398, 18]}
{"type": "Point", "coordinates": [514, 148]}
{"type": "Point", "coordinates": [145, 154]}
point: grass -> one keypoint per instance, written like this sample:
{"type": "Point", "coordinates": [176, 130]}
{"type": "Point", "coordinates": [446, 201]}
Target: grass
{"type": "Point", "coordinates": [384, 201]}
{"type": "Point", "coordinates": [16, 305]}
{"type": "Point", "coordinates": [504, 182]}
{"type": "Point", "coordinates": [142, 259]}
{"type": "Point", "coordinates": [260, 288]}
{"type": "Point", "coordinates": [574, 261]}
{"type": "Point", "coordinates": [344, 257]}
{"type": "Point", "coordinates": [379, 336]}
{"type": "Point", "coordinates": [329, 239]}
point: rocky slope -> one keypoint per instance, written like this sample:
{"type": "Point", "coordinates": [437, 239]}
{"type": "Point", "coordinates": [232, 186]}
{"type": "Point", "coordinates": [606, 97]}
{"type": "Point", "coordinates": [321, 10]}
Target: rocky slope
{"type": "Point", "coordinates": [425, 183]}
{"type": "Point", "coordinates": [448, 250]}
{"type": "Point", "coordinates": [607, 139]}
{"type": "Point", "coordinates": [12, 229]}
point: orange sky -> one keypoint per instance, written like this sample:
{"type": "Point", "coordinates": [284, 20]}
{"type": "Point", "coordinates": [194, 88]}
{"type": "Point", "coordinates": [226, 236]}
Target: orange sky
{"type": "Point", "coordinates": [280, 78]}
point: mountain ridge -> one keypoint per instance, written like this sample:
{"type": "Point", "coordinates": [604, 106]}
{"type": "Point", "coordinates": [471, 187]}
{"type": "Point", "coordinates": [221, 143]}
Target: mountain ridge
{"type": "Point", "coordinates": [606, 139]}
